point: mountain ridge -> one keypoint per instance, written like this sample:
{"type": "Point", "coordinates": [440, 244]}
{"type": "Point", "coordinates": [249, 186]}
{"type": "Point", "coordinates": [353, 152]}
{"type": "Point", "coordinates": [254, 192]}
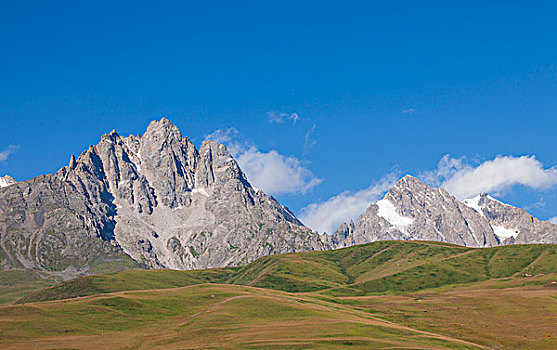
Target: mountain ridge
{"type": "Point", "coordinates": [153, 198]}
{"type": "Point", "coordinates": [156, 201]}
{"type": "Point", "coordinates": [412, 210]}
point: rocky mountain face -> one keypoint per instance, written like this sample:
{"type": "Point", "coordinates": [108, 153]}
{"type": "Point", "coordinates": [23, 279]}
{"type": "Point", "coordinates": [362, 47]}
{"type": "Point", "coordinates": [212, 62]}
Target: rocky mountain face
{"type": "Point", "coordinates": [152, 200]}
{"type": "Point", "coordinates": [156, 201]}
{"type": "Point", "coordinates": [412, 210]}
{"type": "Point", "coordinates": [513, 225]}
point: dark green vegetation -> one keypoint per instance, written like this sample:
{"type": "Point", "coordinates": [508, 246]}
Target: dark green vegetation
{"type": "Point", "coordinates": [381, 295]}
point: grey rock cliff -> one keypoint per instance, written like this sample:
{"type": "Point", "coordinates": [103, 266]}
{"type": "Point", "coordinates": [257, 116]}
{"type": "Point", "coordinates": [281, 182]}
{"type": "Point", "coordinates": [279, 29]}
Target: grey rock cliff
{"type": "Point", "coordinates": [156, 201]}
{"type": "Point", "coordinates": [513, 225]}
{"type": "Point", "coordinates": [154, 198]}
{"type": "Point", "coordinates": [412, 210]}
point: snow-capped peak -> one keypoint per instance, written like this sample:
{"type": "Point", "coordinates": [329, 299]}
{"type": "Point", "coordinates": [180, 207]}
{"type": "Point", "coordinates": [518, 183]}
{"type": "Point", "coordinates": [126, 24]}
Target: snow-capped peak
{"type": "Point", "coordinates": [6, 181]}
{"type": "Point", "coordinates": [474, 203]}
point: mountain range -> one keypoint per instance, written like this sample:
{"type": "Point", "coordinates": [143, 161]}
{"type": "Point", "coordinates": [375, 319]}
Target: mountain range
{"type": "Point", "coordinates": [156, 201]}
{"type": "Point", "coordinates": [411, 210]}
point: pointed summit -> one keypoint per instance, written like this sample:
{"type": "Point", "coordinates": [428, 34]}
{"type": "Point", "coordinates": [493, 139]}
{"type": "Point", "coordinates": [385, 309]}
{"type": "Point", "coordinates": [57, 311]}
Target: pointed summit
{"type": "Point", "coordinates": [161, 130]}
{"type": "Point", "coordinates": [156, 200]}
{"type": "Point", "coordinates": [409, 180]}
{"type": "Point", "coordinates": [412, 210]}
{"type": "Point", "coordinates": [408, 185]}
{"type": "Point", "coordinates": [163, 123]}
{"type": "Point", "coordinates": [73, 162]}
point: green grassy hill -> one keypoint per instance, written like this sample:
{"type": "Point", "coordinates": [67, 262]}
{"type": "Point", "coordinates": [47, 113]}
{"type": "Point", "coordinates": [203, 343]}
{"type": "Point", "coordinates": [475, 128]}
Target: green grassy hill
{"type": "Point", "coordinates": [127, 281]}
{"type": "Point", "coordinates": [387, 295]}
{"type": "Point", "coordinates": [380, 267]}
{"type": "Point", "coordinates": [208, 316]}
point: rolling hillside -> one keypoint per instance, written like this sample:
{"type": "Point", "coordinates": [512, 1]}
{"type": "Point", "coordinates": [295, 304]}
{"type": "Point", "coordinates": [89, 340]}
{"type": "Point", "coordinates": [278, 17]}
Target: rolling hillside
{"type": "Point", "coordinates": [380, 267]}
{"type": "Point", "coordinates": [386, 295]}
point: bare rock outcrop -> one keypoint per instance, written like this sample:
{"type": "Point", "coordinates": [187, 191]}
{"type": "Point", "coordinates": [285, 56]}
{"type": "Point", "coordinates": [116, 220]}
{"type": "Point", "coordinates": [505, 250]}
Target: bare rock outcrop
{"type": "Point", "coordinates": [150, 200]}
{"type": "Point", "coordinates": [412, 210]}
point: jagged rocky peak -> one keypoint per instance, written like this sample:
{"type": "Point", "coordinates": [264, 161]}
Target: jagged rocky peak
{"type": "Point", "coordinates": [154, 198]}
{"type": "Point", "coordinates": [511, 224]}
{"type": "Point", "coordinates": [409, 181]}
{"type": "Point", "coordinates": [344, 230]}
{"type": "Point", "coordinates": [410, 189]}
{"type": "Point", "coordinates": [73, 163]}
{"type": "Point", "coordinates": [480, 201]}
{"type": "Point", "coordinates": [6, 181]}
{"type": "Point", "coordinates": [160, 167]}
{"type": "Point", "coordinates": [412, 210]}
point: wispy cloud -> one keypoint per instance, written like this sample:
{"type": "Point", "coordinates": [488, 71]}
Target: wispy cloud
{"type": "Point", "coordinates": [409, 111]}
{"type": "Point", "coordinates": [446, 168]}
{"type": "Point", "coordinates": [308, 142]}
{"type": "Point", "coordinates": [271, 171]}
{"type": "Point", "coordinates": [7, 152]}
{"type": "Point", "coordinates": [326, 216]}
{"type": "Point", "coordinates": [496, 176]}
{"type": "Point", "coordinates": [230, 138]}
{"type": "Point", "coordinates": [281, 117]}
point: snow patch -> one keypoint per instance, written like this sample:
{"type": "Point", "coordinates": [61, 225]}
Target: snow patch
{"type": "Point", "coordinates": [138, 160]}
{"type": "Point", "coordinates": [387, 211]}
{"type": "Point", "coordinates": [502, 232]}
{"type": "Point", "coordinates": [474, 204]}
{"type": "Point", "coordinates": [135, 157]}
{"type": "Point", "coordinates": [6, 181]}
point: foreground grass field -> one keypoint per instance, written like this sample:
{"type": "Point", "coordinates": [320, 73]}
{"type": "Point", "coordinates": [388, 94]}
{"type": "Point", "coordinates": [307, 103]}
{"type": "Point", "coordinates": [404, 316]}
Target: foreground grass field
{"type": "Point", "coordinates": [388, 295]}
{"type": "Point", "coordinates": [207, 316]}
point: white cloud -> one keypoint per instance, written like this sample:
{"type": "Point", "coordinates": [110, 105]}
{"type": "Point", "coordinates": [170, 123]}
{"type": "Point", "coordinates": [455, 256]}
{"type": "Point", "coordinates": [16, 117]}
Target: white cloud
{"type": "Point", "coordinates": [270, 171]}
{"type": "Point", "coordinates": [281, 117]}
{"type": "Point", "coordinates": [553, 220]}
{"type": "Point", "coordinates": [493, 176]}
{"type": "Point", "coordinates": [6, 152]}
{"type": "Point", "coordinates": [409, 111]}
{"type": "Point", "coordinates": [446, 168]}
{"type": "Point", "coordinates": [327, 215]}
{"type": "Point", "coordinates": [275, 173]}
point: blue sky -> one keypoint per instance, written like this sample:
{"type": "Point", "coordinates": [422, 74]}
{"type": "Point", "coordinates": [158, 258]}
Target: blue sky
{"type": "Point", "coordinates": [346, 94]}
